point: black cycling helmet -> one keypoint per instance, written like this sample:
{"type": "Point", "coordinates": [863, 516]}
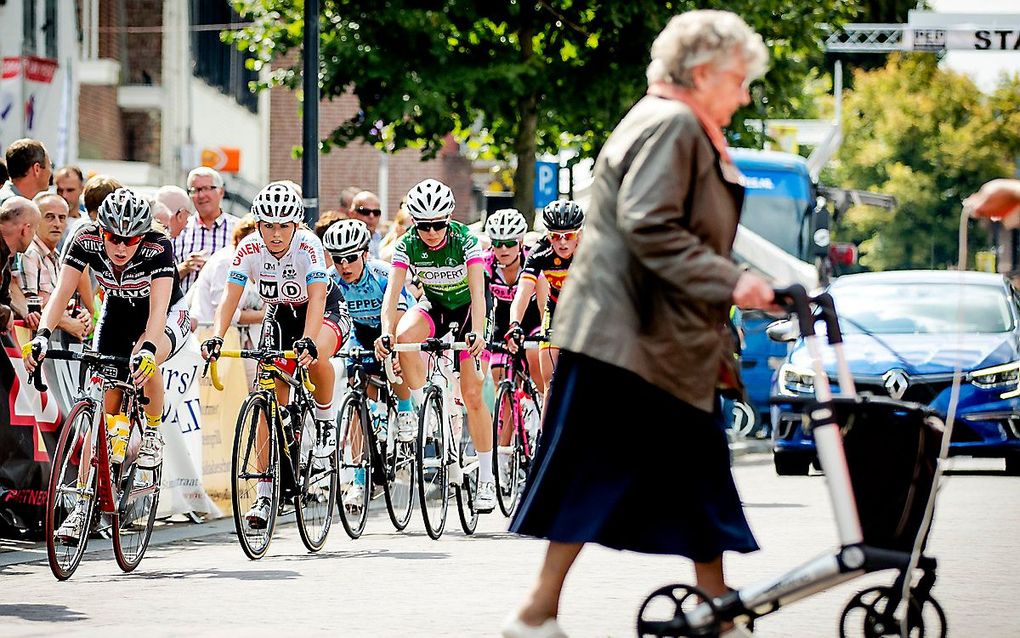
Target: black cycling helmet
{"type": "Point", "coordinates": [563, 214]}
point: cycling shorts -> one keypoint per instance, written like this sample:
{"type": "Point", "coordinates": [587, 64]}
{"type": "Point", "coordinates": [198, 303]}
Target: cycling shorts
{"type": "Point", "coordinates": [364, 338]}
{"type": "Point", "coordinates": [284, 324]}
{"type": "Point", "coordinates": [439, 320]}
{"type": "Point", "coordinates": [120, 326]}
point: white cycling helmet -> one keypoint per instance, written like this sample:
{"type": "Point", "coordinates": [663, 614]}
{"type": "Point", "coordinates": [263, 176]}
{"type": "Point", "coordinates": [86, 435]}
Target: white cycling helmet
{"type": "Point", "coordinates": [278, 203]}
{"type": "Point", "coordinates": [506, 224]}
{"type": "Point", "coordinates": [124, 213]}
{"type": "Point", "coordinates": [347, 236]}
{"type": "Point", "coordinates": [430, 199]}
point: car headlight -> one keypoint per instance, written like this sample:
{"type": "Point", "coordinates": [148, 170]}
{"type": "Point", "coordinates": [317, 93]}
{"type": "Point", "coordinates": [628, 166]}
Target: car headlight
{"type": "Point", "coordinates": [794, 381]}
{"type": "Point", "coordinates": [1001, 377]}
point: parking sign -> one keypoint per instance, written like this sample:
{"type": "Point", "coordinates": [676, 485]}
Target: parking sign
{"type": "Point", "coordinates": [546, 183]}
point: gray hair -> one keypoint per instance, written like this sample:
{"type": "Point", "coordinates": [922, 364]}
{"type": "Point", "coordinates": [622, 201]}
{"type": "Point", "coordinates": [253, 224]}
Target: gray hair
{"type": "Point", "coordinates": [205, 171]}
{"type": "Point", "coordinates": [46, 196]}
{"type": "Point", "coordinates": [167, 194]}
{"type": "Point", "coordinates": [703, 37]}
{"type": "Point", "coordinates": [12, 210]}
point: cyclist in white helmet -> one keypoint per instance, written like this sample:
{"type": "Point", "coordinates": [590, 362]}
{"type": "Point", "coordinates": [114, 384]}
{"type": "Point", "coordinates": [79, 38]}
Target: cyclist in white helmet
{"type": "Point", "coordinates": [446, 257]}
{"type": "Point", "coordinates": [287, 264]}
{"type": "Point", "coordinates": [143, 316]}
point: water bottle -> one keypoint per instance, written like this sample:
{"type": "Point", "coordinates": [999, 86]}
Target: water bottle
{"type": "Point", "coordinates": [117, 430]}
{"type": "Point", "coordinates": [532, 419]}
{"type": "Point", "coordinates": [377, 416]}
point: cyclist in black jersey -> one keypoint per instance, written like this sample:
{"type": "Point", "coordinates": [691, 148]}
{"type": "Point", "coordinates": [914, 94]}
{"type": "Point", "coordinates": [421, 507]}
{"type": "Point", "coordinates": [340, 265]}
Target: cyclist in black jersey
{"type": "Point", "coordinates": [550, 260]}
{"type": "Point", "coordinates": [143, 316]}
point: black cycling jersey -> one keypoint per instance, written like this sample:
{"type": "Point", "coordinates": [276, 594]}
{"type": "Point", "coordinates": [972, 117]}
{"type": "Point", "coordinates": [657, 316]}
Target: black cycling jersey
{"type": "Point", "coordinates": [544, 260]}
{"type": "Point", "coordinates": [153, 260]}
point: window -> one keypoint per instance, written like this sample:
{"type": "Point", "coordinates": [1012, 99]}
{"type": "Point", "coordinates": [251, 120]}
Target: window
{"type": "Point", "coordinates": [29, 27]}
{"type": "Point", "coordinates": [216, 62]}
{"type": "Point", "coordinates": [50, 28]}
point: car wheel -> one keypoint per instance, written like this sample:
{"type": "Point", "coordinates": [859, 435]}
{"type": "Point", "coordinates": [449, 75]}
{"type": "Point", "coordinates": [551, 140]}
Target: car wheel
{"type": "Point", "coordinates": [791, 464]}
{"type": "Point", "coordinates": [1013, 465]}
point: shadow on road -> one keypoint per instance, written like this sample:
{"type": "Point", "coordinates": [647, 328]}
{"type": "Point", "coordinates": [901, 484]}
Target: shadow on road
{"type": "Point", "coordinates": [41, 613]}
{"type": "Point", "coordinates": [253, 574]}
{"type": "Point", "coordinates": [368, 553]}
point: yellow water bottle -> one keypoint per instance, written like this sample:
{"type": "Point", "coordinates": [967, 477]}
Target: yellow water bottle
{"type": "Point", "coordinates": [117, 430]}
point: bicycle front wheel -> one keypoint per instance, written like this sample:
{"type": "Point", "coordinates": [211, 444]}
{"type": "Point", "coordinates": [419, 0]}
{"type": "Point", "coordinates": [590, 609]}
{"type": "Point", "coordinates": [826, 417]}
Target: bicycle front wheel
{"type": "Point", "coordinates": [136, 494]}
{"type": "Point", "coordinates": [433, 474]}
{"type": "Point", "coordinates": [256, 461]}
{"type": "Point", "coordinates": [506, 462]}
{"type": "Point", "coordinates": [353, 448]}
{"type": "Point", "coordinates": [317, 489]}
{"type": "Point", "coordinates": [399, 464]}
{"type": "Point", "coordinates": [72, 481]}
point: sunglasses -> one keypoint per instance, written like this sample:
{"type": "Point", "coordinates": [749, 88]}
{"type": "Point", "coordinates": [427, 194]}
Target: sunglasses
{"type": "Point", "coordinates": [427, 226]}
{"type": "Point", "coordinates": [568, 236]}
{"type": "Point", "coordinates": [351, 258]}
{"type": "Point", "coordinates": [374, 212]}
{"type": "Point", "coordinates": [114, 238]}
{"type": "Point", "coordinates": [504, 243]}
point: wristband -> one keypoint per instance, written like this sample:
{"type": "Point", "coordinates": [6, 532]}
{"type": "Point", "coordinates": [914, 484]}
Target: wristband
{"type": "Point", "coordinates": [148, 345]}
{"type": "Point", "coordinates": [44, 333]}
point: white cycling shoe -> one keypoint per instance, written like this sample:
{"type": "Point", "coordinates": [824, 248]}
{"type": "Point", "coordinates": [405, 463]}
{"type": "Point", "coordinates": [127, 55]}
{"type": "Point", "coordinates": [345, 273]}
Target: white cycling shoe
{"type": "Point", "coordinates": [406, 427]}
{"type": "Point", "coordinates": [70, 531]}
{"type": "Point", "coordinates": [150, 453]}
{"type": "Point", "coordinates": [485, 501]}
{"type": "Point", "coordinates": [327, 437]}
{"type": "Point", "coordinates": [258, 515]}
{"type": "Point", "coordinates": [514, 627]}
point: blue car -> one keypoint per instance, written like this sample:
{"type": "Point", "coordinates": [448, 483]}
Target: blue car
{"type": "Point", "coordinates": [905, 333]}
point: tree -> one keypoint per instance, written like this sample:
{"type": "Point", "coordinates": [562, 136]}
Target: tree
{"type": "Point", "coordinates": [929, 137]}
{"type": "Point", "coordinates": [513, 78]}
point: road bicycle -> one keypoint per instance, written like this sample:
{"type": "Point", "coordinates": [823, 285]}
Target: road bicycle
{"type": "Point", "coordinates": [276, 444]}
{"type": "Point", "coordinates": [389, 462]}
{"type": "Point", "coordinates": [445, 456]}
{"type": "Point", "coordinates": [97, 466]}
{"type": "Point", "coordinates": [516, 419]}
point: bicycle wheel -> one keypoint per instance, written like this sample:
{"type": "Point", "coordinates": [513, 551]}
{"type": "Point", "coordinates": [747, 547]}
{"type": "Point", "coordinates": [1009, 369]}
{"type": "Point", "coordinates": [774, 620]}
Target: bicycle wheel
{"type": "Point", "coordinates": [433, 474]}
{"type": "Point", "coordinates": [317, 489]}
{"type": "Point", "coordinates": [355, 457]}
{"type": "Point", "coordinates": [467, 495]}
{"type": "Point", "coordinates": [64, 490]}
{"type": "Point", "coordinates": [256, 460]}
{"type": "Point", "coordinates": [506, 462]}
{"type": "Point", "coordinates": [136, 494]}
{"type": "Point", "coordinates": [400, 467]}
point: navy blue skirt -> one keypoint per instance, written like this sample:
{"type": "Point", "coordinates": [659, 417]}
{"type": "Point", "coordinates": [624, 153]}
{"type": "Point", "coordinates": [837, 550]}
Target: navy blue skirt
{"type": "Point", "coordinates": [627, 465]}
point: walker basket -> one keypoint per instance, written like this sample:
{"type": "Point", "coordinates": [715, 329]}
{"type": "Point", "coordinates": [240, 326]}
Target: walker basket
{"type": "Point", "coordinates": [892, 449]}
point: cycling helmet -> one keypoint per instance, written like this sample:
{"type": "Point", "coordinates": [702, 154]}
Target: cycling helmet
{"type": "Point", "coordinates": [563, 214]}
{"type": "Point", "coordinates": [430, 199]}
{"type": "Point", "coordinates": [505, 225]}
{"type": "Point", "coordinates": [347, 236]}
{"type": "Point", "coordinates": [278, 203]}
{"type": "Point", "coordinates": [124, 213]}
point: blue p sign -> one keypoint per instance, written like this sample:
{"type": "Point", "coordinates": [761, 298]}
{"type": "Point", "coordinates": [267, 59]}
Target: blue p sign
{"type": "Point", "coordinates": [546, 183]}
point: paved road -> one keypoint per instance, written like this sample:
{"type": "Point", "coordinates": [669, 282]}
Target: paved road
{"type": "Point", "coordinates": [388, 584]}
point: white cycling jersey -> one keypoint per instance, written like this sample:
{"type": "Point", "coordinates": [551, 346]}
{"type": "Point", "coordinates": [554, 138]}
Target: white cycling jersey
{"type": "Point", "coordinates": [284, 280]}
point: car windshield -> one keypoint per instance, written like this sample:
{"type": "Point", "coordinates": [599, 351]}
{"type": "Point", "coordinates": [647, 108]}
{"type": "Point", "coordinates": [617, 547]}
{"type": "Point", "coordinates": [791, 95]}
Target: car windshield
{"type": "Point", "coordinates": [922, 308]}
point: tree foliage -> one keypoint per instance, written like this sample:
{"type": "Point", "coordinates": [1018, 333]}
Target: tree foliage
{"type": "Point", "coordinates": [929, 137]}
{"type": "Point", "coordinates": [514, 78]}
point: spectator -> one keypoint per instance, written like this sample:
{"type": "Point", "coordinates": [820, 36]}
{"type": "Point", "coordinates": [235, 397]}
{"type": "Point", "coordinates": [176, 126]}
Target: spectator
{"type": "Point", "coordinates": [70, 182]}
{"type": "Point", "coordinates": [999, 200]}
{"type": "Point", "coordinates": [212, 281]}
{"type": "Point", "coordinates": [3, 171]}
{"type": "Point", "coordinates": [207, 231]}
{"type": "Point", "coordinates": [29, 166]}
{"type": "Point", "coordinates": [96, 189]}
{"type": "Point", "coordinates": [365, 207]}
{"type": "Point", "coordinates": [160, 216]}
{"type": "Point", "coordinates": [643, 314]}
{"type": "Point", "coordinates": [347, 197]}
{"type": "Point", "coordinates": [397, 229]}
{"type": "Point", "coordinates": [40, 264]}
{"type": "Point", "coordinates": [19, 220]}
{"type": "Point", "coordinates": [178, 203]}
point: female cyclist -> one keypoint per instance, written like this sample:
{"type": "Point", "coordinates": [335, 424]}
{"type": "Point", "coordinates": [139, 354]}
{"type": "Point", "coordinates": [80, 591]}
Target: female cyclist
{"type": "Point", "coordinates": [445, 256]}
{"type": "Point", "coordinates": [286, 263]}
{"type": "Point", "coordinates": [143, 316]}
{"type": "Point", "coordinates": [551, 258]}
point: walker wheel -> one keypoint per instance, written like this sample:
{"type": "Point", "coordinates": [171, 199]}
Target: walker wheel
{"type": "Point", "coordinates": [867, 614]}
{"type": "Point", "coordinates": [664, 613]}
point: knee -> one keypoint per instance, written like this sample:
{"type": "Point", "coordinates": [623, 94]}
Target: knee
{"type": "Point", "coordinates": [471, 395]}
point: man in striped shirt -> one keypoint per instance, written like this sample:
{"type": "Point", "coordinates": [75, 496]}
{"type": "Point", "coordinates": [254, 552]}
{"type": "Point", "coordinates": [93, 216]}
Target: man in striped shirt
{"type": "Point", "coordinates": [207, 231]}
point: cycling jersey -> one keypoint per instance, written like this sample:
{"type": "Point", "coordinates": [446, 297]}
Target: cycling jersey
{"type": "Point", "coordinates": [543, 260]}
{"type": "Point", "coordinates": [442, 270]}
{"type": "Point", "coordinates": [281, 280]}
{"type": "Point", "coordinates": [130, 286]}
{"type": "Point", "coordinates": [365, 296]}
{"type": "Point", "coordinates": [503, 292]}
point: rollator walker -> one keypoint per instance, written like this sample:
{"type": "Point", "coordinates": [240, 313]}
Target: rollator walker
{"type": "Point", "coordinates": [880, 458]}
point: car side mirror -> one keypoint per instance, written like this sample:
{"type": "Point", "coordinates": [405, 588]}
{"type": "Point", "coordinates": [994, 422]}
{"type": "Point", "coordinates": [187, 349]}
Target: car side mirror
{"type": "Point", "coordinates": [783, 331]}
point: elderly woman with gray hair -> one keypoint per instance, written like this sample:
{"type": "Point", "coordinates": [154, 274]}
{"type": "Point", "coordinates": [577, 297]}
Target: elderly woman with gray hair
{"type": "Point", "coordinates": [633, 453]}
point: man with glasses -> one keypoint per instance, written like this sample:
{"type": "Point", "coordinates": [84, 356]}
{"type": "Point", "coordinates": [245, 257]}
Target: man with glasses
{"type": "Point", "coordinates": [29, 167]}
{"type": "Point", "coordinates": [206, 232]}
{"type": "Point", "coordinates": [366, 207]}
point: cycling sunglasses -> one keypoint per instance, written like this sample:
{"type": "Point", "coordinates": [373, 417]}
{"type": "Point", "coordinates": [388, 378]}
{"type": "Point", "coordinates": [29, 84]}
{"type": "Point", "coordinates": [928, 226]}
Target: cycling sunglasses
{"type": "Point", "coordinates": [427, 226]}
{"type": "Point", "coordinates": [567, 236]}
{"type": "Point", "coordinates": [114, 238]}
{"type": "Point", "coordinates": [504, 243]}
{"type": "Point", "coordinates": [350, 258]}
{"type": "Point", "coordinates": [374, 212]}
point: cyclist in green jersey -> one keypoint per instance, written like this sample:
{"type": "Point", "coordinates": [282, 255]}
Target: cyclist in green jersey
{"type": "Point", "coordinates": [445, 256]}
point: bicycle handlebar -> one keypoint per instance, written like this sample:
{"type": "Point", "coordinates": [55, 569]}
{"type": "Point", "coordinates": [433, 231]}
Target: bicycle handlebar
{"type": "Point", "coordinates": [796, 299]}
{"type": "Point", "coordinates": [263, 356]}
{"type": "Point", "coordinates": [88, 357]}
{"type": "Point", "coordinates": [432, 345]}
